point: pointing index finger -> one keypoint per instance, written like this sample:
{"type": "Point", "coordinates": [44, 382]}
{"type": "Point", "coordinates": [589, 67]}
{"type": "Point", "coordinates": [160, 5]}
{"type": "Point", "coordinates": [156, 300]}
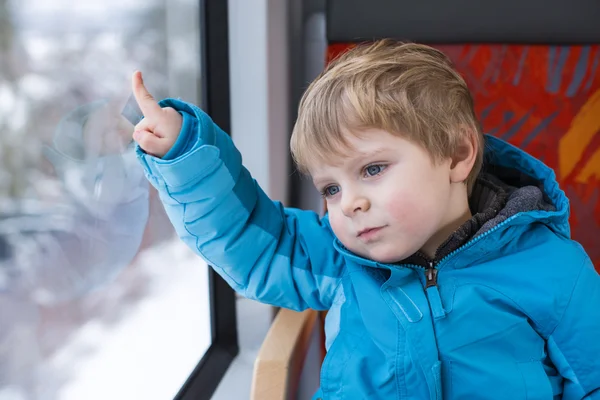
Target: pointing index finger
{"type": "Point", "coordinates": [147, 103]}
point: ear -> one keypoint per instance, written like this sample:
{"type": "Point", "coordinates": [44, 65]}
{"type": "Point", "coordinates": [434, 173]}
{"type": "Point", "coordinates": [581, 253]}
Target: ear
{"type": "Point", "coordinates": [464, 158]}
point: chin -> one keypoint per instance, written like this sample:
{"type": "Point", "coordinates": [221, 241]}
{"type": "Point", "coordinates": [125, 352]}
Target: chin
{"type": "Point", "coordinates": [381, 252]}
{"type": "Point", "coordinates": [387, 256]}
{"type": "Point", "coordinates": [391, 259]}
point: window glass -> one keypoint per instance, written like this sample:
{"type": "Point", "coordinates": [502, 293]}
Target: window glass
{"type": "Point", "coordinates": [98, 298]}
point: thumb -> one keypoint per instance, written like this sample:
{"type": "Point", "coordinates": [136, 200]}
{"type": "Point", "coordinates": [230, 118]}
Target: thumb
{"type": "Point", "coordinates": [147, 103]}
{"type": "Point", "coordinates": [149, 142]}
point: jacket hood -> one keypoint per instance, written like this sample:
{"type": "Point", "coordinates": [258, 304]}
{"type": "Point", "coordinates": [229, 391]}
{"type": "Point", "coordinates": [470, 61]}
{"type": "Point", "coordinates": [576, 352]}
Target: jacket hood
{"type": "Point", "coordinates": [534, 193]}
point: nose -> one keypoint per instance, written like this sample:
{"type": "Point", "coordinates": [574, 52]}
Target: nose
{"type": "Point", "coordinates": [354, 202]}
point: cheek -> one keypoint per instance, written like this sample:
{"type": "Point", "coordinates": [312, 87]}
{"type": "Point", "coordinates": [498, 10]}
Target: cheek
{"type": "Point", "coordinates": [336, 220]}
{"type": "Point", "coordinates": [416, 210]}
{"type": "Point", "coordinates": [406, 209]}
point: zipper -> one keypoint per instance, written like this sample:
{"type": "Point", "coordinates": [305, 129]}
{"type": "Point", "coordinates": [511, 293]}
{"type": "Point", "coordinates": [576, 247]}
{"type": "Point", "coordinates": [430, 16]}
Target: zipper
{"type": "Point", "coordinates": [431, 274]}
{"type": "Point", "coordinates": [433, 294]}
{"type": "Point", "coordinates": [431, 271]}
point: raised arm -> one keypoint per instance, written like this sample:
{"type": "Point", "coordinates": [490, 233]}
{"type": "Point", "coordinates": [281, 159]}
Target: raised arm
{"type": "Point", "coordinates": [265, 251]}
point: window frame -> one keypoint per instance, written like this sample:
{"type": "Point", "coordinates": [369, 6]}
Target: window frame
{"type": "Point", "coordinates": [215, 96]}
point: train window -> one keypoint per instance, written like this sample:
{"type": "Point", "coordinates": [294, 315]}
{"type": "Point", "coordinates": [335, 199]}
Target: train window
{"type": "Point", "coordinates": [98, 297]}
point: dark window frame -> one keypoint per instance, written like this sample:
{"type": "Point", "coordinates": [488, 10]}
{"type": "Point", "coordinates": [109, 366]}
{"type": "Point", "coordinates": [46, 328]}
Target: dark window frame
{"type": "Point", "coordinates": [214, 40]}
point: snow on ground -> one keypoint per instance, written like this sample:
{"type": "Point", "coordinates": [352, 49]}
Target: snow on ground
{"type": "Point", "coordinates": [151, 344]}
{"type": "Point", "coordinates": [150, 354]}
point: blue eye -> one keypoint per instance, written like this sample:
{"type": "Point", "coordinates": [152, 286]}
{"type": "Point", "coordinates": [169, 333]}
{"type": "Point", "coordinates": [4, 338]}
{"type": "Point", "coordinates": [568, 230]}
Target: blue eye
{"type": "Point", "coordinates": [374, 169]}
{"type": "Point", "coordinates": [330, 191]}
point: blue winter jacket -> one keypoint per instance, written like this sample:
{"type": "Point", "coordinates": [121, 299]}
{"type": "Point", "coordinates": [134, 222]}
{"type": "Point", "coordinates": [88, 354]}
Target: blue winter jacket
{"type": "Point", "coordinates": [511, 312]}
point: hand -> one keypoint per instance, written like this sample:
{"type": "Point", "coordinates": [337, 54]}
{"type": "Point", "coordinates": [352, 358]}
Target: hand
{"type": "Point", "coordinates": [159, 129]}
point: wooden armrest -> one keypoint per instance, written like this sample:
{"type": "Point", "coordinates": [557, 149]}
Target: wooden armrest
{"type": "Point", "coordinates": [279, 363]}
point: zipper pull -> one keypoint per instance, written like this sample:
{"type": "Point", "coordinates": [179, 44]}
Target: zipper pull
{"type": "Point", "coordinates": [433, 294]}
{"type": "Point", "coordinates": [431, 275]}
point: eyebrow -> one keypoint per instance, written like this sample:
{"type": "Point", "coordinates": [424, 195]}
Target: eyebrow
{"type": "Point", "coordinates": [319, 182]}
{"type": "Point", "coordinates": [362, 154]}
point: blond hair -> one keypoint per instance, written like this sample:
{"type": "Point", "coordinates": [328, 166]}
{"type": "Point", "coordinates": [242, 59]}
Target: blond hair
{"type": "Point", "coordinates": [407, 89]}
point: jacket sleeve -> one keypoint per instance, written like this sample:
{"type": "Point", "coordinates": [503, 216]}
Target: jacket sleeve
{"type": "Point", "coordinates": [574, 345]}
{"type": "Point", "coordinates": [264, 251]}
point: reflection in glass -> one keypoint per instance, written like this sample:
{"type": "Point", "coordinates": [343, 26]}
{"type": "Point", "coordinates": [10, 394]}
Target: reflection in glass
{"type": "Point", "coordinates": [98, 299]}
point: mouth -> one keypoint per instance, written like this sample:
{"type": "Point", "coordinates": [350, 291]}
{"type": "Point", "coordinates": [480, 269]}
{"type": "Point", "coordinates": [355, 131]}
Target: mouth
{"type": "Point", "coordinates": [369, 233]}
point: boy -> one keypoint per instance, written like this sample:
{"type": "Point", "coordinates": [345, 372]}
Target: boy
{"type": "Point", "coordinates": [447, 272]}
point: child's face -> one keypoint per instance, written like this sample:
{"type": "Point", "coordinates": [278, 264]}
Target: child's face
{"type": "Point", "coordinates": [386, 199]}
